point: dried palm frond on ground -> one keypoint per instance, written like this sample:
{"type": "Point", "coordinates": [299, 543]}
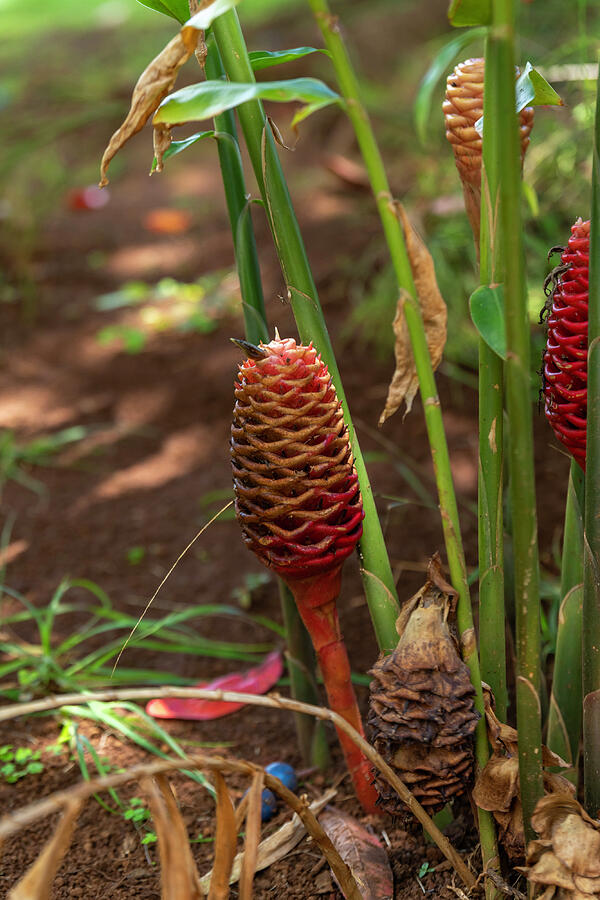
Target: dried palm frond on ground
{"type": "Point", "coordinates": [497, 787]}
{"type": "Point", "coordinates": [564, 862]}
{"type": "Point", "coordinates": [422, 715]}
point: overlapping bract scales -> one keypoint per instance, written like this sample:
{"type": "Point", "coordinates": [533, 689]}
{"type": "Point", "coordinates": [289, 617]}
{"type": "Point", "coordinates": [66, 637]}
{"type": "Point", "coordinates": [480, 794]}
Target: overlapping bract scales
{"type": "Point", "coordinates": [462, 107]}
{"type": "Point", "coordinates": [422, 716]}
{"type": "Point", "coordinates": [297, 494]}
{"type": "Point", "coordinates": [565, 358]}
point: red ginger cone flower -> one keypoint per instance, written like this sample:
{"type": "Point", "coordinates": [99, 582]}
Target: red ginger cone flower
{"type": "Point", "coordinates": [462, 107]}
{"type": "Point", "coordinates": [299, 505]}
{"type": "Point", "coordinates": [565, 358]}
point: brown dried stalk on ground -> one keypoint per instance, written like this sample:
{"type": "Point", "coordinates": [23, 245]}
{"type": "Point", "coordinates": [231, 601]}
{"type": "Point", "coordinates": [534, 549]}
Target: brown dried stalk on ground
{"type": "Point", "coordinates": [422, 715]}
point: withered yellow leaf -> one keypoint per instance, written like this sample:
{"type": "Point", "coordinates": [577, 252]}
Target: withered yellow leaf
{"type": "Point", "coordinates": [405, 383]}
{"type": "Point", "coordinates": [225, 842]}
{"type": "Point", "coordinates": [152, 87]}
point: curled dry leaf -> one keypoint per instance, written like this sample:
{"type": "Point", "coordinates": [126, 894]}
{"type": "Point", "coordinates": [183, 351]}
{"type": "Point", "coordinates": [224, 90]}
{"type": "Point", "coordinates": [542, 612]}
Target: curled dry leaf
{"type": "Point", "coordinates": [497, 788]}
{"type": "Point", "coordinates": [362, 852]}
{"type": "Point", "coordinates": [152, 87]}
{"type": "Point", "coordinates": [422, 716]}
{"type": "Point", "coordinates": [36, 884]}
{"type": "Point", "coordinates": [565, 862]}
{"type": "Point", "coordinates": [277, 845]}
{"type": "Point", "coordinates": [405, 383]}
{"type": "Point", "coordinates": [178, 873]}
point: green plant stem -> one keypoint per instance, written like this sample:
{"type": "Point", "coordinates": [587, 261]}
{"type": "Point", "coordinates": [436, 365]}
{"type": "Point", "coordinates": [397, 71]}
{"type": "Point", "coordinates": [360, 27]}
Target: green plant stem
{"type": "Point", "coordinates": [518, 403]}
{"type": "Point", "coordinates": [359, 118]}
{"type": "Point", "coordinates": [377, 574]}
{"type": "Point", "coordinates": [301, 661]}
{"type": "Point", "coordinates": [591, 553]}
{"type": "Point", "coordinates": [492, 642]}
{"type": "Point", "coordinates": [564, 718]}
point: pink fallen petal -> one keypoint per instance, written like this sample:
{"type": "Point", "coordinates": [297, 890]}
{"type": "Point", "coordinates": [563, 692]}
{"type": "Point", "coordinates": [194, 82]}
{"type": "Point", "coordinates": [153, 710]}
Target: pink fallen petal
{"type": "Point", "coordinates": [254, 681]}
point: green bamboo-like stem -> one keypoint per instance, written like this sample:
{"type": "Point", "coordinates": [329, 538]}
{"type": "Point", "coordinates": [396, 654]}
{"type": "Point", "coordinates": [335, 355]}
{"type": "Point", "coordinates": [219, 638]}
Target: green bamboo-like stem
{"type": "Point", "coordinates": [492, 644]}
{"type": "Point", "coordinates": [591, 553]}
{"type": "Point", "coordinates": [378, 580]}
{"type": "Point", "coordinates": [359, 118]}
{"type": "Point", "coordinates": [301, 663]}
{"type": "Point", "coordinates": [518, 403]}
{"type": "Point", "coordinates": [564, 718]}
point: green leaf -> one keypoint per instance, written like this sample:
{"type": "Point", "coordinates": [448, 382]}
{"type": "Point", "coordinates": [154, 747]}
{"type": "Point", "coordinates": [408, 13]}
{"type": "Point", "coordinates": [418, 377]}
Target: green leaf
{"type": "Point", "coordinates": [205, 17]}
{"type": "Point", "coordinates": [263, 59]}
{"type": "Point", "coordinates": [487, 313]}
{"type": "Point", "coordinates": [176, 9]}
{"type": "Point", "coordinates": [210, 98]}
{"type": "Point", "coordinates": [436, 71]}
{"type": "Point", "coordinates": [532, 89]}
{"type": "Point", "coordinates": [177, 146]}
{"type": "Point", "coordinates": [470, 12]}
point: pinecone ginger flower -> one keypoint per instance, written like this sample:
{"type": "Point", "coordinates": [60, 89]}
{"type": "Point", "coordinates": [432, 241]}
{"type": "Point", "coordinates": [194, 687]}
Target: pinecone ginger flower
{"type": "Point", "coordinates": [565, 358]}
{"type": "Point", "coordinates": [462, 107]}
{"type": "Point", "coordinates": [422, 714]}
{"type": "Point", "coordinates": [298, 503]}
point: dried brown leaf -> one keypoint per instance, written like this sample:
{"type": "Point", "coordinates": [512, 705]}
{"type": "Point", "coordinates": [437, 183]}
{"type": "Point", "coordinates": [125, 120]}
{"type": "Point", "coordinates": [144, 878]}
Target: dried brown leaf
{"type": "Point", "coordinates": [36, 884]}
{"type": "Point", "coordinates": [179, 876]}
{"type": "Point", "coordinates": [277, 845]}
{"type": "Point", "coordinates": [152, 87]}
{"type": "Point", "coordinates": [498, 784]}
{"type": "Point", "coordinates": [405, 383]}
{"type": "Point", "coordinates": [253, 820]}
{"type": "Point", "coordinates": [225, 842]}
{"type": "Point", "coordinates": [362, 852]}
{"type": "Point", "coordinates": [161, 140]}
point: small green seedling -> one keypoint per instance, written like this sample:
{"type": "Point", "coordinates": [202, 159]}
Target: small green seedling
{"type": "Point", "coordinates": [18, 763]}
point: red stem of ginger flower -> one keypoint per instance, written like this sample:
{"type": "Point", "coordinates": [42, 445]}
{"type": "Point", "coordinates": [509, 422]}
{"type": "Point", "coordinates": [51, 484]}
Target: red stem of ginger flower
{"type": "Point", "coordinates": [316, 600]}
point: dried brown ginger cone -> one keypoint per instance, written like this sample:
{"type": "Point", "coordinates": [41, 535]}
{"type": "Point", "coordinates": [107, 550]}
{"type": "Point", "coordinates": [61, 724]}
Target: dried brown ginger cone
{"type": "Point", "coordinates": [422, 715]}
{"type": "Point", "coordinates": [497, 787]}
{"type": "Point", "coordinates": [462, 107]}
{"type": "Point", "coordinates": [564, 863]}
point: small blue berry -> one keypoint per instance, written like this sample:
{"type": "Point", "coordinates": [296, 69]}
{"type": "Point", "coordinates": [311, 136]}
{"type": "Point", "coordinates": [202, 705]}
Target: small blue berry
{"type": "Point", "coordinates": [268, 806]}
{"type": "Point", "coordinates": [285, 773]}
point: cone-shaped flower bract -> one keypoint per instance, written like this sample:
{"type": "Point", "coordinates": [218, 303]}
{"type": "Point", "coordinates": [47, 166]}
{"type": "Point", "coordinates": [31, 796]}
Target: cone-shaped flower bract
{"type": "Point", "coordinates": [422, 715]}
{"type": "Point", "coordinates": [297, 495]}
{"type": "Point", "coordinates": [299, 505]}
{"type": "Point", "coordinates": [565, 358]}
{"type": "Point", "coordinates": [462, 107]}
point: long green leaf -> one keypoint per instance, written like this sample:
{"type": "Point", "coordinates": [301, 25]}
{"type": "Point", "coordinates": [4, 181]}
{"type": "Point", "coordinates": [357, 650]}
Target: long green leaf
{"type": "Point", "coordinates": [263, 59]}
{"type": "Point", "coordinates": [470, 12]}
{"type": "Point", "coordinates": [436, 71]}
{"type": "Point", "coordinates": [531, 89]}
{"type": "Point", "coordinates": [487, 312]}
{"type": "Point", "coordinates": [176, 9]}
{"type": "Point", "coordinates": [209, 98]}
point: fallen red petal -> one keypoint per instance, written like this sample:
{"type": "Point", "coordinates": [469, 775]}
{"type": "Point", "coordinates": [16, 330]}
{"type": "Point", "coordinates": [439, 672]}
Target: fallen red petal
{"type": "Point", "coordinates": [255, 681]}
